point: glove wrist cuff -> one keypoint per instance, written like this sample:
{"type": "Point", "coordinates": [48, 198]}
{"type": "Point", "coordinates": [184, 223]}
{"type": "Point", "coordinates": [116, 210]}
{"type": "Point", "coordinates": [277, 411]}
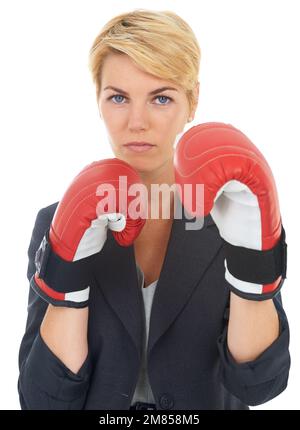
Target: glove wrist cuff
{"type": "Point", "coordinates": [260, 267]}
{"type": "Point", "coordinates": [61, 282]}
{"type": "Point", "coordinates": [253, 274]}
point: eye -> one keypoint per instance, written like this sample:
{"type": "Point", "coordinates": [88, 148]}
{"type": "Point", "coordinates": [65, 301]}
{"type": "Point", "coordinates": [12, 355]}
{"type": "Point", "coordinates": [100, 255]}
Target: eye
{"type": "Point", "coordinates": [165, 98]}
{"type": "Point", "coordinates": [113, 98]}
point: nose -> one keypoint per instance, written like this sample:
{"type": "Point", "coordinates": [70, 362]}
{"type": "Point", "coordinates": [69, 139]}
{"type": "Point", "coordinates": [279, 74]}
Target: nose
{"type": "Point", "coordinates": [138, 118]}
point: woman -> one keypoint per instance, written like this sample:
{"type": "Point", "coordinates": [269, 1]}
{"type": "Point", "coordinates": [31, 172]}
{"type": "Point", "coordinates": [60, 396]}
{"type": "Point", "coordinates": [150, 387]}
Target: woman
{"type": "Point", "coordinates": [204, 347]}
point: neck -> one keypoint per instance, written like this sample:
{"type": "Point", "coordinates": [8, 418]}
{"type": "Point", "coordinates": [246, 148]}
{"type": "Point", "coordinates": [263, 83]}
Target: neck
{"type": "Point", "coordinates": [165, 174]}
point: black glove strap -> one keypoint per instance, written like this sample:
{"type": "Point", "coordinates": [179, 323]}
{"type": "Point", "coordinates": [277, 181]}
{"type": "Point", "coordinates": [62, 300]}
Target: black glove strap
{"type": "Point", "coordinates": [259, 267]}
{"type": "Point", "coordinates": [61, 275]}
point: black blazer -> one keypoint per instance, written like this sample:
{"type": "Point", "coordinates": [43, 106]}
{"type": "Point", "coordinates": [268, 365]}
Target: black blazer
{"type": "Point", "coordinates": [189, 365]}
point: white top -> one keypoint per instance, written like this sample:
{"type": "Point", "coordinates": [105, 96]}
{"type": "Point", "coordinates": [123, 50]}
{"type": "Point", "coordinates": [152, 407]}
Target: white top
{"type": "Point", "coordinates": [143, 392]}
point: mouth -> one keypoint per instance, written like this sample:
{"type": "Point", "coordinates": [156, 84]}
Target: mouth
{"type": "Point", "coordinates": [139, 146]}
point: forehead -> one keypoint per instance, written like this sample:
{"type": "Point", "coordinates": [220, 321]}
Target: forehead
{"type": "Point", "coordinates": [119, 69]}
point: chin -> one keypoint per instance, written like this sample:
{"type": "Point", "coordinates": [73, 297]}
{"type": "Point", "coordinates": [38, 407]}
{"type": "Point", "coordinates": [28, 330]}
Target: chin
{"type": "Point", "coordinates": [141, 164]}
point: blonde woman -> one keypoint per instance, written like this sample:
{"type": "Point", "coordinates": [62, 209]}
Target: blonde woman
{"type": "Point", "coordinates": [136, 313]}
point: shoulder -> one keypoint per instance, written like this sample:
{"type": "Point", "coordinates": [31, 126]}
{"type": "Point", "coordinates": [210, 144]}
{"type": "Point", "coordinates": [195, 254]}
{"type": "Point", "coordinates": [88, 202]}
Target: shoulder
{"type": "Point", "coordinates": [42, 222]}
{"type": "Point", "coordinates": [43, 219]}
{"type": "Point", "coordinates": [46, 213]}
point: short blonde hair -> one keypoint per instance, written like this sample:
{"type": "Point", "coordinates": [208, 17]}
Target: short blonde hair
{"type": "Point", "coordinates": [159, 42]}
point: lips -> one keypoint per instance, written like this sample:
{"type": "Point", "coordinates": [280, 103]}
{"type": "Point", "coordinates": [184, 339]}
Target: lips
{"type": "Point", "coordinates": [139, 146]}
{"type": "Point", "coordinates": [138, 143]}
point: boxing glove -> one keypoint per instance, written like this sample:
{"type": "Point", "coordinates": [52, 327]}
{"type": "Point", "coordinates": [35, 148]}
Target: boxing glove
{"type": "Point", "coordinates": [78, 231]}
{"type": "Point", "coordinates": [239, 192]}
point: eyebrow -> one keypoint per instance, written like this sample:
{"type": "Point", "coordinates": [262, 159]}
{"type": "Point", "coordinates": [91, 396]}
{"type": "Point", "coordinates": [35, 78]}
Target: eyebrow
{"type": "Point", "coordinates": [158, 90]}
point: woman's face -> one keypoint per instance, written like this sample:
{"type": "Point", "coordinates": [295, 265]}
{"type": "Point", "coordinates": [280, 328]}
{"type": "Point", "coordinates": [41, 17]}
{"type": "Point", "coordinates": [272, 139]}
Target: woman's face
{"type": "Point", "coordinates": [139, 110]}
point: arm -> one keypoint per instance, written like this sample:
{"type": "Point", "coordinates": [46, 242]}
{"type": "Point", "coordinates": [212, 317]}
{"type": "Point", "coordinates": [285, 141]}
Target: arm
{"type": "Point", "coordinates": [64, 330]}
{"type": "Point", "coordinates": [55, 368]}
{"type": "Point", "coordinates": [261, 370]}
{"type": "Point", "coordinates": [50, 377]}
{"type": "Point", "coordinates": [241, 196]}
{"type": "Point", "coordinates": [252, 328]}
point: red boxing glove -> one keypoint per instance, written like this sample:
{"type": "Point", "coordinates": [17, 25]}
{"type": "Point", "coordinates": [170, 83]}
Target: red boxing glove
{"type": "Point", "coordinates": [240, 194]}
{"type": "Point", "coordinates": [79, 230]}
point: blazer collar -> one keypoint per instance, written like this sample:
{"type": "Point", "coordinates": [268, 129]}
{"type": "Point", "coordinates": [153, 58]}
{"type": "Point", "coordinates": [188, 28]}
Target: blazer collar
{"type": "Point", "coordinates": [188, 254]}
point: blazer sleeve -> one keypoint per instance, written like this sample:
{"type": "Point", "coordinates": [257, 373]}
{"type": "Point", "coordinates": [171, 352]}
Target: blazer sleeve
{"type": "Point", "coordinates": [44, 381]}
{"type": "Point", "coordinates": [258, 381]}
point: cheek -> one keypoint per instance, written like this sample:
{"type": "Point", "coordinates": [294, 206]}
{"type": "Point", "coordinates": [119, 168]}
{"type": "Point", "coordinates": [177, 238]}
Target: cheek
{"type": "Point", "coordinates": [108, 115]}
{"type": "Point", "coordinates": [172, 117]}
{"type": "Point", "coordinates": [113, 122]}
{"type": "Point", "coordinates": [171, 125]}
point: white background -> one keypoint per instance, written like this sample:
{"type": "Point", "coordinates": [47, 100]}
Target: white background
{"type": "Point", "coordinates": [50, 126]}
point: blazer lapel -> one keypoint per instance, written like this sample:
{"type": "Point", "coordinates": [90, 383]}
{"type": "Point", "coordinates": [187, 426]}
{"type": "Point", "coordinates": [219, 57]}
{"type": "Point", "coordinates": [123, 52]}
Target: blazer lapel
{"type": "Point", "coordinates": [188, 255]}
